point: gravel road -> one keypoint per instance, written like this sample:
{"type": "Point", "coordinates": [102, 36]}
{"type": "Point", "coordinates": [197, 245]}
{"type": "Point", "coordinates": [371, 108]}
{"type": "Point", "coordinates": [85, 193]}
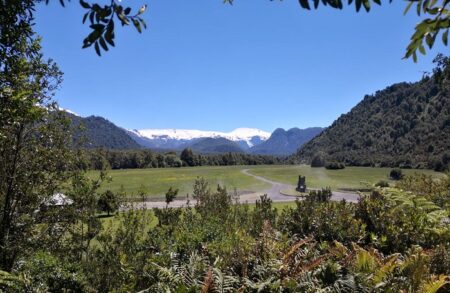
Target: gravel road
{"type": "Point", "coordinates": [273, 193]}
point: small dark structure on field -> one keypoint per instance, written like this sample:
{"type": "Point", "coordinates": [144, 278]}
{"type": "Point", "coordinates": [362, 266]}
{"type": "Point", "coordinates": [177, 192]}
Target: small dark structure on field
{"type": "Point", "coordinates": [301, 185]}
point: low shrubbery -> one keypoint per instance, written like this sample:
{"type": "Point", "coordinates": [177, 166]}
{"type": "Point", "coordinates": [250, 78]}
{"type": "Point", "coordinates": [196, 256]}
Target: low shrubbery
{"type": "Point", "coordinates": [382, 183]}
{"type": "Point", "coordinates": [391, 240]}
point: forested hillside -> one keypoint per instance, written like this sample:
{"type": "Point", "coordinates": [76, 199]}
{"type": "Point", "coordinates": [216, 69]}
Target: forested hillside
{"type": "Point", "coordinates": [94, 132]}
{"type": "Point", "coordinates": [215, 145]}
{"type": "Point", "coordinates": [285, 142]}
{"type": "Point", "coordinates": [406, 125]}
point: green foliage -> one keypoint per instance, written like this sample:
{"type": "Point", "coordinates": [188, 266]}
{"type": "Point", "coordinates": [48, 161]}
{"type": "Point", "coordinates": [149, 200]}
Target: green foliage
{"type": "Point", "coordinates": [220, 247]}
{"type": "Point", "coordinates": [433, 189]}
{"type": "Point", "coordinates": [396, 174]}
{"type": "Point", "coordinates": [318, 161]}
{"type": "Point", "coordinates": [405, 125]}
{"type": "Point", "coordinates": [97, 132]}
{"type": "Point", "coordinates": [263, 214]}
{"type": "Point", "coordinates": [101, 21]}
{"type": "Point", "coordinates": [425, 34]}
{"type": "Point", "coordinates": [108, 202]}
{"type": "Point", "coordinates": [171, 194]}
{"type": "Point", "coordinates": [217, 203]}
{"type": "Point", "coordinates": [407, 220]}
{"type": "Point", "coordinates": [187, 156]}
{"type": "Point", "coordinates": [110, 158]}
{"type": "Point", "coordinates": [325, 221]}
{"type": "Point", "coordinates": [323, 195]}
{"type": "Point", "coordinates": [46, 273]}
{"type": "Point", "coordinates": [429, 28]}
{"type": "Point", "coordinates": [34, 157]}
{"type": "Point", "coordinates": [382, 183]}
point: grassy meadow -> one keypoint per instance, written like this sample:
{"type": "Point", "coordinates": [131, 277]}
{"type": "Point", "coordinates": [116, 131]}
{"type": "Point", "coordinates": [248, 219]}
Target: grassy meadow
{"type": "Point", "coordinates": [158, 181]}
{"type": "Point", "coordinates": [350, 177]}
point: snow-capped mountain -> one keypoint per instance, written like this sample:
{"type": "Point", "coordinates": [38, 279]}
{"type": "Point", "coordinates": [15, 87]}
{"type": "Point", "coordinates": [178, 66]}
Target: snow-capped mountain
{"type": "Point", "coordinates": [179, 138]}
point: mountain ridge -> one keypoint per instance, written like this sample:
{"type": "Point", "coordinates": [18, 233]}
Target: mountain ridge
{"type": "Point", "coordinates": [286, 142]}
{"type": "Point", "coordinates": [405, 125]}
{"type": "Point", "coordinates": [100, 132]}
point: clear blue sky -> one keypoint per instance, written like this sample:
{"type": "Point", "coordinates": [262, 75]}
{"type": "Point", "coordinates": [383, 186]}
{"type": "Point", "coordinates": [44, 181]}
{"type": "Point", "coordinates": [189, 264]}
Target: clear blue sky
{"type": "Point", "coordinates": [205, 65]}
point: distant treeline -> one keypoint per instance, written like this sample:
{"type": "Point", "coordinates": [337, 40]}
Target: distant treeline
{"type": "Point", "coordinates": [101, 159]}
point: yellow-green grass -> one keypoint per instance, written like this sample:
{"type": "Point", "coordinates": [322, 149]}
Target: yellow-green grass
{"type": "Point", "coordinates": [158, 181]}
{"type": "Point", "coordinates": [350, 177]}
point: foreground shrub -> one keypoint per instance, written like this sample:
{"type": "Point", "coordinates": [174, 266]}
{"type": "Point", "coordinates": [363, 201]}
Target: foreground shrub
{"type": "Point", "coordinates": [325, 221]}
{"type": "Point", "coordinates": [382, 183]}
{"type": "Point", "coordinates": [323, 195]}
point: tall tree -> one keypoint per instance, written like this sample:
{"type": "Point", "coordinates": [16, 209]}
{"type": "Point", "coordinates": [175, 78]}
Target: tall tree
{"type": "Point", "coordinates": [33, 146]}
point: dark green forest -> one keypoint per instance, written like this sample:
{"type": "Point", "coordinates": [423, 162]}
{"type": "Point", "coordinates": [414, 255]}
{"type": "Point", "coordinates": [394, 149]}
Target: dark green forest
{"type": "Point", "coordinates": [405, 125]}
{"type": "Point", "coordinates": [103, 159]}
{"type": "Point", "coordinates": [96, 132]}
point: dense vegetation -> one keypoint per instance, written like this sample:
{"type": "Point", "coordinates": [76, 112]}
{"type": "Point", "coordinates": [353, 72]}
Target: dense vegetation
{"type": "Point", "coordinates": [216, 145]}
{"type": "Point", "coordinates": [95, 132]}
{"type": "Point", "coordinates": [389, 241]}
{"type": "Point", "coordinates": [405, 125]}
{"type": "Point", "coordinates": [101, 159]}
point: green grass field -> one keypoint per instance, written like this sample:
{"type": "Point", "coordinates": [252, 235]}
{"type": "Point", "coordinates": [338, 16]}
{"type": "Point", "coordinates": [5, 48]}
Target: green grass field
{"type": "Point", "coordinates": [350, 177]}
{"type": "Point", "coordinates": [158, 181]}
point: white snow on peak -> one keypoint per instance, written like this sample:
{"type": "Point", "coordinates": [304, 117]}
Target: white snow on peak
{"type": "Point", "coordinates": [68, 111]}
{"type": "Point", "coordinates": [239, 134]}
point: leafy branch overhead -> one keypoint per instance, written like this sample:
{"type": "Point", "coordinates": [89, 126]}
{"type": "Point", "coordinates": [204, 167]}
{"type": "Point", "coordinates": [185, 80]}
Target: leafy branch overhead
{"type": "Point", "coordinates": [426, 32]}
{"type": "Point", "coordinates": [437, 21]}
{"type": "Point", "coordinates": [101, 21]}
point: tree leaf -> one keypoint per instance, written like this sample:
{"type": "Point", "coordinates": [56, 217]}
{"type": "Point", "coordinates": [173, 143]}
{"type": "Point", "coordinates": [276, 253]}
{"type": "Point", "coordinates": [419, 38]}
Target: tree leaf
{"type": "Point", "coordinates": [408, 7]}
{"type": "Point", "coordinates": [304, 4]}
{"type": "Point", "coordinates": [85, 4]}
{"type": "Point", "coordinates": [103, 44]}
{"type": "Point", "coordinates": [445, 37]}
{"type": "Point", "coordinates": [85, 17]}
{"type": "Point", "coordinates": [97, 49]}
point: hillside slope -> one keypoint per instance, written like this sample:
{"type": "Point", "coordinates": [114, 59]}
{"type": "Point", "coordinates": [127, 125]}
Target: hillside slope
{"type": "Point", "coordinates": [283, 143]}
{"type": "Point", "coordinates": [406, 124]}
{"type": "Point", "coordinates": [94, 132]}
{"type": "Point", "coordinates": [215, 145]}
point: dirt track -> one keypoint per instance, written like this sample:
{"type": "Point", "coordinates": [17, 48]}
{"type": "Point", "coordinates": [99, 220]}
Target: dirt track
{"type": "Point", "coordinates": [273, 193]}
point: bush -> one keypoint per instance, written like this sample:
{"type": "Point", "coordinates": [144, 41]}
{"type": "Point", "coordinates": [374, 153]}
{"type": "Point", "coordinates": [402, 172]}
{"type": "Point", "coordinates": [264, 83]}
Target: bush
{"type": "Point", "coordinates": [323, 195]}
{"type": "Point", "coordinates": [396, 174]}
{"type": "Point", "coordinates": [108, 202]}
{"type": "Point", "coordinates": [334, 166]}
{"type": "Point", "coordinates": [382, 183]}
{"type": "Point", "coordinates": [318, 161]}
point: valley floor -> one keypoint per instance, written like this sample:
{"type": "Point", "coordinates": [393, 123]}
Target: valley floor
{"type": "Point", "coordinates": [248, 181]}
{"type": "Point", "coordinates": [275, 193]}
